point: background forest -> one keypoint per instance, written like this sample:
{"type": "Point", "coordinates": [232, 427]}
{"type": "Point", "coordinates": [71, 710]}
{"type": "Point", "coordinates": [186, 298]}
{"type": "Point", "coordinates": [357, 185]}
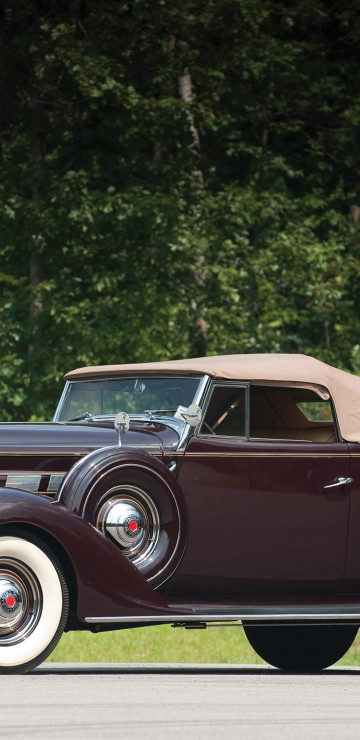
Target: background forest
{"type": "Point", "coordinates": [178, 178]}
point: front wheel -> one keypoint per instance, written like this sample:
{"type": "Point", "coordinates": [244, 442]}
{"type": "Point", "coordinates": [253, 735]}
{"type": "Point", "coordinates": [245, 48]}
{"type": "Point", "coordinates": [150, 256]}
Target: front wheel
{"type": "Point", "coordinates": [301, 648]}
{"type": "Point", "coordinates": [34, 601]}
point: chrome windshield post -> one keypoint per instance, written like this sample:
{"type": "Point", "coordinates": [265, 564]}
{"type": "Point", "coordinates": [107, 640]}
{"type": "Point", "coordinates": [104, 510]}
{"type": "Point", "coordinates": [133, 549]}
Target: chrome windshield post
{"type": "Point", "coordinates": [187, 430]}
{"type": "Point", "coordinates": [61, 402]}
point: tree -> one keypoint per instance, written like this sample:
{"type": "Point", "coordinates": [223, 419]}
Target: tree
{"type": "Point", "coordinates": [177, 178]}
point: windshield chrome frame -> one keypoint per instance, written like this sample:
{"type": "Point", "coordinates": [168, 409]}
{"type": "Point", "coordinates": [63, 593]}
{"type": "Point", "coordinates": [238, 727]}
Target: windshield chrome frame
{"type": "Point", "coordinates": [188, 430]}
{"type": "Point", "coordinates": [183, 430]}
{"type": "Point", "coordinates": [61, 402]}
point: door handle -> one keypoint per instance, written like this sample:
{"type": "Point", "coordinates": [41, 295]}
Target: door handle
{"type": "Point", "coordinates": [339, 482]}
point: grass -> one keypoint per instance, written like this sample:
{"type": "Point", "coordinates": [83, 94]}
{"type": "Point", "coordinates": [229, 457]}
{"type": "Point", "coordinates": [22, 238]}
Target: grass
{"type": "Point", "coordinates": [164, 644]}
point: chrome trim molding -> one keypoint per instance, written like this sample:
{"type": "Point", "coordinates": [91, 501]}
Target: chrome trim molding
{"type": "Point", "coordinates": [246, 614]}
{"type": "Point", "coordinates": [265, 454]}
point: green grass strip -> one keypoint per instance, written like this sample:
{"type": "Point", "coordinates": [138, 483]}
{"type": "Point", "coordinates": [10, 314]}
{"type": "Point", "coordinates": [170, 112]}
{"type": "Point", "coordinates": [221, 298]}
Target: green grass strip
{"type": "Point", "coordinates": [164, 644]}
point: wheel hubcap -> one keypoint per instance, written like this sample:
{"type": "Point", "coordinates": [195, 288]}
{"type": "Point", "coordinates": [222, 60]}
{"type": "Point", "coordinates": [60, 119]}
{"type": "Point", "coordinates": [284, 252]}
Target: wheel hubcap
{"type": "Point", "coordinates": [126, 522]}
{"type": "Point", "coordinates": [20, 601]}
{"type": "Point", "coordinates": [131, 518]}
{"type": "Point", "coordinates": [12, 602]}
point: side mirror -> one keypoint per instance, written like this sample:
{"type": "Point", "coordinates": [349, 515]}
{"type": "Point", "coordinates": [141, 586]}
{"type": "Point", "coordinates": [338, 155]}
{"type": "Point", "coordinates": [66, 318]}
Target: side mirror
{"type": "Point", "coordinates": [122, 424]}
{"type": "Point", "coordinates": [192, 415]}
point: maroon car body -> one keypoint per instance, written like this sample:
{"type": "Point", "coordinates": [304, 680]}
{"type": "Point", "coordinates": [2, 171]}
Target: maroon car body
{"type": "Point", "coordinates": [233, 499]}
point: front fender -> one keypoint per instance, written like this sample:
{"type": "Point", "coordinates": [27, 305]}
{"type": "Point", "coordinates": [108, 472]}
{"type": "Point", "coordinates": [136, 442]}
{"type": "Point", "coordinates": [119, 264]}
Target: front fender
{"type": "Point", "coordinates": [76, 485]}
{"type": "Point", "coordinates": [108, 584]}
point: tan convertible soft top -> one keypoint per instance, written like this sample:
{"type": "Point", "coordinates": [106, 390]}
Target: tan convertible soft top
{"type": "Point", "coordinates": [343, 387]}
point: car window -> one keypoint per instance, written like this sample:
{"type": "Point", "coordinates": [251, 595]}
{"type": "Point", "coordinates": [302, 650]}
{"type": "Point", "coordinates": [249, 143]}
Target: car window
{"type": "Point", "coordinates": [290, 414]}
{"type": "Point", "coordinates": [287, 414]}
{"type": "Point", "coordinates": [133, 395]}
{"type": "Point", "coordinates": [316, 410]}
{"type": "Point", "coordinates": [225, 414]}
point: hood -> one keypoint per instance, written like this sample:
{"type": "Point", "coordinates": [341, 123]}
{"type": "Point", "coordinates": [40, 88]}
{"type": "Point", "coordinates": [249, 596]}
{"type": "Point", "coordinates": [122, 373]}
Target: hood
{"type": "Point", "coordinates": [80, 439]}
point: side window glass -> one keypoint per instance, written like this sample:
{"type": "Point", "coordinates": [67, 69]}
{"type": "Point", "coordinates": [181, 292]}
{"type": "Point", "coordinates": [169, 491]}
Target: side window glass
{"type": "Point", "coordinates": [225, 415]}
{"type": "Point", "coordinates": [294, 414]}
{"type": "Point", "coordinates": [316, 410]}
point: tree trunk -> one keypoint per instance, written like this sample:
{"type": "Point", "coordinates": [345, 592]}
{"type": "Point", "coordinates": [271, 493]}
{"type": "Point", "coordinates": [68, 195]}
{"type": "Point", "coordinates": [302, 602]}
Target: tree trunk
{"type": "Point", "coordinates": [199, 338]}
{"type": "Point", "coordinates": [36, 256]}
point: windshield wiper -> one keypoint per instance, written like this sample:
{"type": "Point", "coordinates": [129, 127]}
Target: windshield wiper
{"type": "Point", "coordinates": [159, 412]}
{"type": "Point", "coordinates": [85, 416]}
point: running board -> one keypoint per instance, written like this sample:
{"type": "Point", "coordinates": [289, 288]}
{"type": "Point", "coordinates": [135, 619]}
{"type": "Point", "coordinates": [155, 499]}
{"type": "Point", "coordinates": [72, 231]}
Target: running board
{"type": "Point", "coordinates": [245, 614]}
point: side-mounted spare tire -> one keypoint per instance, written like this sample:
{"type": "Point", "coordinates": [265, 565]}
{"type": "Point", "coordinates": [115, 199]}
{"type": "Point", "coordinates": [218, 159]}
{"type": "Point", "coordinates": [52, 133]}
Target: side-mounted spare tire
{"type": "Point", "coordinates": [135, 501]}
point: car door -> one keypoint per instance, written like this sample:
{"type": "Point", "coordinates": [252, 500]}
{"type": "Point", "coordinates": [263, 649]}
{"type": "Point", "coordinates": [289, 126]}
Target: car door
{"type": "Point", "coordinates": [352, 572]}
{"type": "Point", "coordinates": [261, 517]}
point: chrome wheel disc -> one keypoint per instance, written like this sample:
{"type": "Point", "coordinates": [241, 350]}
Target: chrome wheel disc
{"type": "Point", "coordinates": [131, 518]}
{"type": "Point", "coordinates": [20, 601]}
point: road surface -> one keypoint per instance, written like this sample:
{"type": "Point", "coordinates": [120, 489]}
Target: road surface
{"type": "Point", "coordinates": [216, 702]}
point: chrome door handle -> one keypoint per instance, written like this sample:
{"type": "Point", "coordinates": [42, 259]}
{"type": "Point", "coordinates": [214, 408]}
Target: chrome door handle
{"type": "Point", "coordinates": [339, 482]}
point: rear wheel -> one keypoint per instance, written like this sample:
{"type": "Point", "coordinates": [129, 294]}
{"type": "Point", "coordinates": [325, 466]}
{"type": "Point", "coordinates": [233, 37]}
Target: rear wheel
{"type": "Point", "coordinates": [33, 601]}
{"type": "Point", "coordinates": [301, 648]}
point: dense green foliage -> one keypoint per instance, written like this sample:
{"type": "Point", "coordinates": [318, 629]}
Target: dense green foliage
{"type": "Point", "coordinates": [139, 223]}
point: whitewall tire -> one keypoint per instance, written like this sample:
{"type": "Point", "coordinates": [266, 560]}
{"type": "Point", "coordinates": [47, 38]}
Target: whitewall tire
{"type": "Point", "coordinates": [33, 601]}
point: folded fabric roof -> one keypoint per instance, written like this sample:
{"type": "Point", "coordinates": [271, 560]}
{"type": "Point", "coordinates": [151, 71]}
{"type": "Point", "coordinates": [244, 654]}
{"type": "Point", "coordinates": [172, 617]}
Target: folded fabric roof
{"type": "Point", "coordinates": [343, 387]}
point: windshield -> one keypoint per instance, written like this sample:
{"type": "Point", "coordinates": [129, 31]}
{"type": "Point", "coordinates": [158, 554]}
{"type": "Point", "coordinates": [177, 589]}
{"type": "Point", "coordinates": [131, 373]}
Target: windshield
{"type": "Point", "coordinates": [162, 396]}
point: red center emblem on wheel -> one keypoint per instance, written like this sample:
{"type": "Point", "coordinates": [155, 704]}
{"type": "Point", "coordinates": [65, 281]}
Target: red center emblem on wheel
{"type": "Point", "coordinates": [10, 601]}
{"type": "Point", "coordinates": [133, 526]}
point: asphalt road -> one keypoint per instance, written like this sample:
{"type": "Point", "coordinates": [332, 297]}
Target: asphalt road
{"type": "Point", "coordinates": [216, 702]}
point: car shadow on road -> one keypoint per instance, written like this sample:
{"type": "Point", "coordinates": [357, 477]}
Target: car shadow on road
{"type": "Point", "coordinates": [178, 669]}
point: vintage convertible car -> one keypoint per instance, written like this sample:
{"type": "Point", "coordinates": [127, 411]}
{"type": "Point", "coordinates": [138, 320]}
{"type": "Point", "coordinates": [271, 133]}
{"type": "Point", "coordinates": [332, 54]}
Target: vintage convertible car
{"type": "Point", "coordinates": [217, 490]}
